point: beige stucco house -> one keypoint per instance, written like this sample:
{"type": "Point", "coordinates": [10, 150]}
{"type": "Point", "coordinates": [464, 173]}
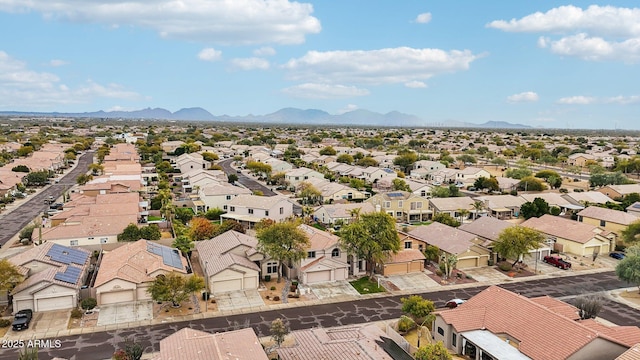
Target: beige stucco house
{"type": "Point", "coordinates": [402, 206]}
{"type": "Point", "coordinates": [608, 219]}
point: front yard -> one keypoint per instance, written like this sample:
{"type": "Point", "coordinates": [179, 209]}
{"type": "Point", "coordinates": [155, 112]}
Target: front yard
{"type": "Point", "coordinates": [364, 285]}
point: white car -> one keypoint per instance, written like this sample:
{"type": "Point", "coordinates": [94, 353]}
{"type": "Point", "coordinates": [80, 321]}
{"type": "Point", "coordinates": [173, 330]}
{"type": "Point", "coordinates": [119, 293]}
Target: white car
{"type": "Point", "coordinates": [454, 303]}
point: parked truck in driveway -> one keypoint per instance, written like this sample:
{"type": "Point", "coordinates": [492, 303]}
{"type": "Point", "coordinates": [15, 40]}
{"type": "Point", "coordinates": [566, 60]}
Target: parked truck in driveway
{"type": "Point", "coordinates": [22, 319]}
{"type": "Point", "coordinates": [557, 262]}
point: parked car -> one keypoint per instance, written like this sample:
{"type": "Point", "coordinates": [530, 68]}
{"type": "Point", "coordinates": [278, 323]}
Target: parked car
{"type": "Point", "coordinates": [557, 262]}
{"type": "Point", "coordinates": [617, 255]}
{"type": "Point", "coordinates": [22, 319]}
{"type": "Point", "coordinates": [453, 303]}
{"type": "Point", "coordinates": [56, 206]}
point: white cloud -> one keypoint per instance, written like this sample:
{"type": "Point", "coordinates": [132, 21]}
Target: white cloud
{"type": "Point", "coordinates": [212, 21]}
{"type": "Point", "coordinates": [348, 108]}
{"type": "Point", "coordinates": [22, 87]}
{"type": "Point", "coordinates": [577, 100]}
{"type": "Point", "coordinates": [596, 33]}
{"type": "Point", "coordinates": [415, 84]}
{"type": "Point", "coordinates": [383, 66]}
{"type": "Point", "coordinates": [324, 91]}
{"type": "Point", "coordinates": [209, 54]}
{"type": "Point", "coordinates": [250, 63]}
{"type": "Point", "coordinates": [527, 96]}
{"type": "Point", "coordinates": [624, 100]}
{"type": "Point", "coordinates": [264, 51]}
{"type": "Point", "coordinates": [58, 62]}
{"type": "Point", "coordinates": [423, 18]}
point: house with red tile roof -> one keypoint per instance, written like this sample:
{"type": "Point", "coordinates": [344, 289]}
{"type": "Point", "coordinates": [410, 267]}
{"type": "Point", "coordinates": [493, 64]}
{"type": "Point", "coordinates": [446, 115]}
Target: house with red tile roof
{"type": "Point", "coordinates": [191, 344]}
{"type": "Point", "coordinates": [325, 260]}
{"type": "Point", "coordinates": [126, 272]}
{"type": "Point", "coordinates": [499, 324]}
{"type": "Point", "coordinates": [572, 236]}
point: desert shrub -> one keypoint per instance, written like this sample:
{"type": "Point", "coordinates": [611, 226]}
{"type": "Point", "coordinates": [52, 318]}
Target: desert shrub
{"type": "Point", "coordinates": [439, 272]}
{"type": "Point", "coordinates": [405, 324]}
{"type": "Point", "coordinates": [4, 323]}
{"type": "Point", "coordinates": [272, 288]}
{"type": "Point", "coordinates": [504, 266]}
{"type": "Point", "coordinates": [276, 298]}
{"type": "Point", "coordinates": [76, 313]}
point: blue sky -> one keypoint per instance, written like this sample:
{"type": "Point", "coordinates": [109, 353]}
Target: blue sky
{"type": "Point", "coordinates": [544, 64]}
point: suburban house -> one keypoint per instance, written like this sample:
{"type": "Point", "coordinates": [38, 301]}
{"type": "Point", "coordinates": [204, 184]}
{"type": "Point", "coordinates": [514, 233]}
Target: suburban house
{"type": "Point", "coordinates": [503, 207]}
{"type": "Point", "coordinates": [451, 241]}
{"type": "Point", "coordinates": [171, 146]}
{"type": "Point", "coordinates": [54, 275]}
{"type": "Point", "coordinates": [345, 342]}
{"type": "Point", "coordinates": [499, 324]}
{"type": "Point", "coordinates": [580, 159]}
{"type": "Point", "coordinates": [618, 191]}
{"type": "Point", "coordinates": [405, 261]}
{"type": "Point", "coordinates": [555, 199]}
{"type": "Point", "coordinates": [325, 260]}
{"type": "Point", "coordinates": [506, 184]}
{"type": "Point", "coordinates": [572, 236]}
{"type": "Point", "coordinates": [188, 162]}
{"type": "Point", "coordinates": [469, 175]}
{"type": "Point", "coordinates": [607, 219]}
{"type": "Point", "coordinates": [342, 213]}
{"type": "Point", "coordinates": [231, 262]}
{"type": "Point", "coordinates": [125, 273]}
{"type": "Point", "coordinates": [587, 198]}
{"type": "Point", "coordinates": [373, 174]}
{"type": "Point", "coordinates": [402, 206]}
{"type": "Point", "coordinates": [423, 168]}
{"type": "Point", "coordinates": [278, 165]}
{"type": "Point", "coordinates": [218, 195]}
{"type": "Point", "coordinates": [451, 205]}
{"type": "Point", "coordinates": [295, 176]}
{"type": "Point", "coordinates": [248, 210]}
{"type": "Point", "coordinates": [192, 344]}
{"type": "Point", "coordinates": [332, 192]}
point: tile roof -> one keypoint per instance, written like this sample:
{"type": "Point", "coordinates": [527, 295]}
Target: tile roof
{"type": "Point", "coordinates": [217, 253]}
{"type": "Point", "coordinates": [257, 202]}
{"type": "Point", "coordinates": [405, 255]}
{"type": "Point", "coordinates": [609, 215]}
{"type": "Point", "coordinates": [486, 227]}
{"type": "Point", "coordinates": [563, 228]}
{"type": "Point", "coordinates": [338, 211]}
{"type": "Point", "coordinates": [452, 203]}
{"type": "Point", "coordinates": [447, 238]}
{"type": "Point", "coordinates": [133, 262]}
{"type": "Point", "coordinates": [632, 354]}
{"type": "Point", "coordinates": [593, 197]}
{"type": "Point", "coordinates": [318, 239]}
{"type": "Point", "coordinates": [191, 344]}
{"type": "Point", "coordinates": [527, 321]}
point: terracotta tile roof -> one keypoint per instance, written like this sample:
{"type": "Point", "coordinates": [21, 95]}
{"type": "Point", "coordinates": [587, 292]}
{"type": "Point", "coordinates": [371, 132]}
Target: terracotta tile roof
{"type": "Point", "coordinates": [133, 262]}
{"type": "Point", "coordinates": [609, 215]}
{"type": "Point", "coordinates": [338, 211]}
{"type": "Point", "coordinates": [557, 306]}
{"type": "Point", "coordinates": [452, 204]}
{"type": "Point", "coordinates": [503, 312]}
{"type": "Point", "coordinates": [447, 238]}
{"type": "Point", "coordinates": [564, 228]}
{"type": "Point", "coordinates": [318, 239]}
{"type": "Point", "coordinates": [342, 343]}
{"type": "Point", "coordinates": [217, 253]}
{"type": "Point", "coordinates": [89, 226]}
{"type": "Point", "coordinates": [486, 227]}
{"type": "Point", "coordinates": [191, 344]}
{"type": "Point", "coordinates": [257, 202]}
{"type": "Point", "coordinates": [632, 354]}
{"type": "Point", "coordinates": [405, 255]}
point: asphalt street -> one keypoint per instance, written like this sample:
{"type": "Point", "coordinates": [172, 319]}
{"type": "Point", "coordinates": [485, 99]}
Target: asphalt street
{"type": "Point", "coordinates": [13, 222]}
{"type": "Point", "coordinates": [102, 345]}
{"type": "Point", "coordinates": [246, 181]}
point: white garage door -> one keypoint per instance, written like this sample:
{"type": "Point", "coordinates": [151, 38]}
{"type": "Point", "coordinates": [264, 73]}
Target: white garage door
{"type": "Point", "coordinates": [251, 282]}
{"type": "Point", "coordinates": [23, 305]}
{"type": "Point", "coordinates": [55, 303]}
{"type": "Point", "coordinates": [318, 276]}
{"type": "Point", "coordinates": [115, 297]}
{"type": "Point", "coordinates": [227, 285]}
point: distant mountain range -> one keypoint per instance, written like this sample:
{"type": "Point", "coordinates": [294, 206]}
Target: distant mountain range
{"type": "Point", "coordinates": [283, 116]}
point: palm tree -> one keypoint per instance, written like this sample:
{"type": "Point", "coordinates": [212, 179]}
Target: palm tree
{"type": "Point", "coordinates": [184, 244]}
{"type": "Point", "coordinates": [463, 213]}
{"type": "Point", "coordinates": [477, 206]}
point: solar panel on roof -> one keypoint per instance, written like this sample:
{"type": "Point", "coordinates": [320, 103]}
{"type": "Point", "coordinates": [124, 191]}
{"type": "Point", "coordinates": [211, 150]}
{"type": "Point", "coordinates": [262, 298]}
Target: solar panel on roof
{"type": "Point", "coordinates": [170, 257]}
{"type": "Point", "coordinates": [67, 255]}
{"type": "Point", "coordinates": [636, 206]}
{"type": "Point", "coordinates": [394, 194]}
{"type": "Point", "coordinates": [70, 275]}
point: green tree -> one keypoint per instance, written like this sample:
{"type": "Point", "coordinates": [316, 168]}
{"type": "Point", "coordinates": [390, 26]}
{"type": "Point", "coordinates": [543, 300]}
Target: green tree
{"type": "Point", "coordinates": [445, 218]}
{"type": "Point", "coordinates": [130, 233]}
{"type": "Point", "coordinates": [150, 232]}
{"type": "Point", "coordinates": [518, 173]}
{"type": "Point", "coordinates": [435, 351]}
{"type": "Point", "coordinates": [531, 183]}
{"type": "Point", "coordinates": [631, 234]}
{"type": "Point", "coordinates": [26, 232]}
{"type": "Point", "coordinates": [328, 150]}
{"type": "Point", "coordinates": [279, 330]}
{"type": "Point", "coordinates": [406, 161]}
{"type": "Point", "coordinates": [184, 244]}
{"type": "Point", "coordinates": [226, 226]}
{"type": "Point", "coordinates": [431, 252]}
{"type": "Point", "coordinates": [88, 304]}
{"type": "Point", "coordinates": [175, 287]}
{"type": "Point", "coordinates": [345, 159]}
{"type": "Point", "coordinates": [535, 208]}
{"type": "Point", "coordinates": [209, 156]}
{"type": "Point", "coordinates": [372, 237]}
{"type": "Point", "coordinates": [20, 168]}
{"type": "Point", "coordinates": [628, 269]}
{"type": "Point", "coordinates": [83, 179]}
{"type": "Point", "coordinates": [283, 242]}
{"type": "Point", "coordinates": [200, 229]}
{"type": "Point", "coordinates": [24, 151]}
{"type": "Point", "coordinates": [232, 178]}
{"type": "Point", "coordinates": [214, 214]}
{"type": "Point", "coordinates": [399, 184]}
{"type": "Point", "coordinates": [440, 192]}
{"type": "Point", "coordinates": [184, 214]}
{"type": "Point", "coordinates": [418, 308]}
{"type": "Point", "coordinates": [309, 194]}
{"type": "Point", "coordinates": [516, 241]}
{"type": "Point", "coordinates": [37, 178]}
{"type": "Point", "coordinates": [9, 276]}
{"type": "Point", "coordinates": [367, 161]}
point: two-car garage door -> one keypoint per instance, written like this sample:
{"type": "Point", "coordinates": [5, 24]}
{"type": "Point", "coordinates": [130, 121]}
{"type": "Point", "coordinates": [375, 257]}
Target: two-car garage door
{"type": "Point", "coordinates": [226, 285]}
{"type": "Point", "coordinates": [114, 297]}
{"type": "Point", "coordinates": [54, 303]}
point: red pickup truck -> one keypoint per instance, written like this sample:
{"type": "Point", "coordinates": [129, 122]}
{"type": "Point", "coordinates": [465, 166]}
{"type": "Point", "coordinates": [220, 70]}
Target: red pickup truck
{"type": "Point", "coordinates": [557, 262]}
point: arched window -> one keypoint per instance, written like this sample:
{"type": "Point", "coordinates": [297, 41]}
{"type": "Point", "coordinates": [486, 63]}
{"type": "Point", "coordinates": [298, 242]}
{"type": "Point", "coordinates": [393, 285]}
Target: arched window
{"type": "Point", "coordinates": [335, 252]}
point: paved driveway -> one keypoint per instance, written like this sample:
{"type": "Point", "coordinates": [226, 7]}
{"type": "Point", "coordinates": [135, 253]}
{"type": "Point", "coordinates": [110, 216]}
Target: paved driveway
{"type": "Point", "coordinates": [45, 324]}
{"type": "Point", "coordinates": [241, 299]}
{"type": "Point", "coordinates": [125, 312]}
{"type": "Point", "coordinates": [326, 290]}
{"type": "Point", "coordinates": [413, 281]}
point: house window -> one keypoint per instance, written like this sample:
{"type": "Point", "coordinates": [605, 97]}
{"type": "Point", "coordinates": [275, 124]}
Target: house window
{"type": "Point", "coordinates": [407, 244]}
{"type": "Point", "coordinates": [73, 243]}
{"type": "Point", "coordinates": [104, 240]}
{"type": "Point", "coordinates": [250, 211]}
{"type": "Point", "coordinates": [579, 218]}
{"type": "Point", "coordinates": [90, 238]}
{"type": "Point", "coordinates": [387, 204]}
{"type": "Point", "coordinates": [420, 247]}
{"type": "Point", "coordinates": [419, 205]}
{"type": "Point", "coordinates": [390, 213]}
{"type": "Point", "coordinates": [311, 254]}
{"type": "Point", "coordinates": [400, 203]}
{"type": "Point", "coordinates": [228, 197]}
{"type": "Point", "coordinates": [399, 214]}
{"type": "Point", "coordinates": [335, 252]}
{"type": "Point", "coordinates": [603, 223]}
{"type": "Point", "coordinates": [281, 210]}
{"type": "Point", "coordinates": [266, 213]}
{"type": "Point", "coordinates": [224, 208]}
{"type": "Point", "coordinates": [232, 208]}
{"type": "Point", "coordinates": [440, 331]}
{"type": "Point", "coordinates": [423, 193]}
{"type": "Point", "coordinates": [454, 339]}
{"type": "Point", "coordinates": [272, 267]}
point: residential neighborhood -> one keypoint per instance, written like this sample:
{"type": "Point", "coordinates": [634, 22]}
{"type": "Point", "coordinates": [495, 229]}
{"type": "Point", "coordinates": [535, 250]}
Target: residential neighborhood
{"type": "Point", "coordinates": [158, 231]}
